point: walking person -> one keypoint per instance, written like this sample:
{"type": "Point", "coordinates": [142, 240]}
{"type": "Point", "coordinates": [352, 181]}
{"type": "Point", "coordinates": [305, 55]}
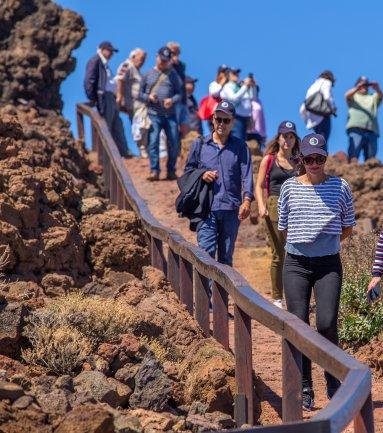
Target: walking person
{"type": "Point", "coordinates": [377, 271]}
{"type": "Point", "coordinates": [161, 90]}
{"type": "Point", "coordinates": [241, 95]}
{"type": "Point", "coordinates": [319, 105]}
{"type": "Point", "coordinates": [192, 105]}
{"type": "Point", "coordinates": [316, 210]}
{"type": "Point", "coordinates": [128, 81]}
{"type": "Point", "coordinates": [228, 166]}
{"type": "Point", "coordinates": [257, 129]}
{"type": "Point", "coordinates": [362, 124]}
{"type": "Point", "coordinates": [276, 167]}
{"type": "Point", "coordinates": [100, 88]}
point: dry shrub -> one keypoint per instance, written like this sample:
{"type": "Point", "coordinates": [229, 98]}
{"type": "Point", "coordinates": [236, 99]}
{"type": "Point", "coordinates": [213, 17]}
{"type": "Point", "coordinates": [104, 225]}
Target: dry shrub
{"type": "Point", "coordinates": [65, 331]}
{"type": "Point", "coordinates": [155, 346]}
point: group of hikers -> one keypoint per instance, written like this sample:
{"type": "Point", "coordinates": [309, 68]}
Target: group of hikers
{"type": "Point", "coordinates": [307, 212]}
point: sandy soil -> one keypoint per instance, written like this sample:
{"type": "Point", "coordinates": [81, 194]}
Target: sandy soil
{"type": "Point", "coordinates": [252, 260]}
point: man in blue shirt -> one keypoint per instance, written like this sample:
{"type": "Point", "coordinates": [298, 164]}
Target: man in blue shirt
{"type": "Point", "coordinates": [161, 90]}
{"type": "Point", "coordinates": [228, 165]}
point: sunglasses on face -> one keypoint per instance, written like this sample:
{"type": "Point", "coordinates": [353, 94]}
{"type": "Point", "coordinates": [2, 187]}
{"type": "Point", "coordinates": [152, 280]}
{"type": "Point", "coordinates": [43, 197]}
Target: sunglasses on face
{"type": "Point", "coordinates": [310, 160]}
{"type": "Point", "coordinates": [224, 120]}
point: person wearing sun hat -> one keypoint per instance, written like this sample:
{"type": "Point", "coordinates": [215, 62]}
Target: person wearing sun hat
{"type": "Point", "coordinates": [316, 212]}
{"type": "Point", "coordinates": [275, 168]}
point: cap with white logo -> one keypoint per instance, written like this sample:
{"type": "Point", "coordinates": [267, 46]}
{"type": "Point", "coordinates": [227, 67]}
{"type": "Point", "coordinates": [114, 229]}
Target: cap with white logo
{"type": "Point", "coordinates": [226, 107]}
{"type": "Point", "coordinates": [313, 143]}
{"type": "Point", "coordinates": [287, 126]}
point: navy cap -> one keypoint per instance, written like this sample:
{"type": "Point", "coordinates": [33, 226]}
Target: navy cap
{"type": "Point", "coordinates": [313, 143]}
{"type": "Point", "coordinates": [227, 107]}
{"type": "Point", "coordinates": [106, 45]}
{"type": "Point", "coordinates": [190, 79]}
{"type": "Point", "coordinates": [235, 71]}
{"type": "Point", "coordinates": [223, 68]}
{"type": "Point", "coordinates": [165, 54]}
{"type": "Point", "coordinates": [287, 126]}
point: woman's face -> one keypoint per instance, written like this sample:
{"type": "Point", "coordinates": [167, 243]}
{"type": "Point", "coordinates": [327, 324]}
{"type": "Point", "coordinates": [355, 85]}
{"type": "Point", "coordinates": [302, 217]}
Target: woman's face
{"type": "Point", "coordinates": [314, 164]}
{"type": "Point", "coordinates": [286, 141]}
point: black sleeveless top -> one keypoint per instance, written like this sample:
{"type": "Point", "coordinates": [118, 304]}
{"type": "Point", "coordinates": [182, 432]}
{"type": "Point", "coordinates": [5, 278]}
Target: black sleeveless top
{"type": "Point", "coordinates": [278, 175]}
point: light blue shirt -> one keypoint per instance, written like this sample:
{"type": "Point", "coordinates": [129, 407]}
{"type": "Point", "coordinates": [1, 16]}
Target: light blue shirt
{"type": "Point", "coordinates": [324, 245]}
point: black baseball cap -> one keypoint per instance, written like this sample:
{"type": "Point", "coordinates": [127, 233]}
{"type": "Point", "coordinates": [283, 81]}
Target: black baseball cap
{"type": "Point", "coordinates": [287, 126]}
{"type": "Point", "coordinates": [313, 143]}
{"type": "Point", "coordinates": [190, 80]}
{"type": "Point", "coordinates": [226, 107]}
{"type": "Point", "coordinates": [223, 68]}
{"type": "Point", "coordinates": [165, 54]}
{"type": "Point", "coordinates": [235, 71]}
{"type": "Point", "coordinates": [106, 45]}
{"type": "Point", "coordinates": [361, 80]}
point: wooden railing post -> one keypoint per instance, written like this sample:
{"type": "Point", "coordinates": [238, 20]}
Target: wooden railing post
{"type": "Point", "coordinates": [120, 195]}
{"type": "Point", "coordinates": [112, 185]}
{"type": "Point", "coordinates": [80, 125]}
{"type": "Point", "coordinates": [95, 138]}
{"type": "Point", "coordinates": [186, 284]}
{"type": "Point", "coordinates": [364, 422]}
{"type": "Point", "coordinates": [244, 400]}
{"type": "Point", "coordinates": [291, 382]}
{"type": "Point", "coordinates": [201, 296]}
{"type": "Point", "coordinates": [157, 255]}
{"type": "Point", "coordinates": [173, 271]}
{"type": "Point", "coordinates": [106, 172]}
{"type": "Point", "coordinates": [220, 315]}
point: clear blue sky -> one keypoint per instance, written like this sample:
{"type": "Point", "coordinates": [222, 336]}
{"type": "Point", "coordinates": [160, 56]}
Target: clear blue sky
{"type": "Point", "coordinates": [286, 44]}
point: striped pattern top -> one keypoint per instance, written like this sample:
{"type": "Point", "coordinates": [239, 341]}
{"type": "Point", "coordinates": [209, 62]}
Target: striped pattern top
{"type": "Point", "coordinates": [308, 210]}
{"type": "Point", "coordinates": [377, 267]}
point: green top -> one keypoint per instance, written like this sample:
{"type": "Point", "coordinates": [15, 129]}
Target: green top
{"type": "Point", "coordinates": [362, 112]}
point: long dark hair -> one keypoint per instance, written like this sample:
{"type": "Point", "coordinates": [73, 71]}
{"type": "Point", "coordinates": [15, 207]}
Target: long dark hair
{"type": "Point", "coordinates": [272, 148]}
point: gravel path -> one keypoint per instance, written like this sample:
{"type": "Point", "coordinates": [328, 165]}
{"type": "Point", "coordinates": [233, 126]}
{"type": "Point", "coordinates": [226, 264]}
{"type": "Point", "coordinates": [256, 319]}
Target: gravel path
{"type": "Point", "coordinates": [252, 261]}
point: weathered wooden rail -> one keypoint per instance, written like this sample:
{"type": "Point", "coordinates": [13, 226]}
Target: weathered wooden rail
{"type": "Point", "coordinates": [189, 270]}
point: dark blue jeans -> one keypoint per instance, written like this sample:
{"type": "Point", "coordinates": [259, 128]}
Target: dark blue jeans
{"type": "Point", "coordinates": [240, 127]}
{"type": "Point", "coordinates": [362, 139]}
{"type": "Point", "coordinates": [218, 234]}
{"type": "Point", "coordinates": [170, 126]}
{"type": "Point", "coordinates": [324, 128]}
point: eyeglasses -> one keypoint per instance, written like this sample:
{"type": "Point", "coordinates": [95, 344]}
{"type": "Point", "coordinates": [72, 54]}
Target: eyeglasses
{"type": "Point", "coordinates": [224, 120]}
{"type": "Point", "coordinates": [310, 160]}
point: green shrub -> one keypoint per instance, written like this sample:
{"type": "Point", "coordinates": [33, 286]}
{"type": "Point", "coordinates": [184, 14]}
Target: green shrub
{"type": "Point", "coordinates": [359, 321]}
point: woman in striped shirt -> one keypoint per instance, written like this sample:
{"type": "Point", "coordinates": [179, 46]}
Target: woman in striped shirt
{"type": "Point", "coordinates": [377, 267]}
{"type": "Point", "coordinates": [316, 211]}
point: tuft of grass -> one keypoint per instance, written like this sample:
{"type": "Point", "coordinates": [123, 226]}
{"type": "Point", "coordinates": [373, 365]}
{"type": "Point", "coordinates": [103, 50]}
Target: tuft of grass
{"type": "Point", "coordinates": [359, 321]}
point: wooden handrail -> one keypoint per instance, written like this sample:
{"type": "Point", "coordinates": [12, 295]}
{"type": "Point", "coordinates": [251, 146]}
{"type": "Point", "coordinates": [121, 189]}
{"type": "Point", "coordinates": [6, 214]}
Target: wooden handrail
{"type": "Point", "coordinates": [189, 270]}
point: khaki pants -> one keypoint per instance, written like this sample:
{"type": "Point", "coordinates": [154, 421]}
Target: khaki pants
{"type": "Point", "coordinates": [277, 242]}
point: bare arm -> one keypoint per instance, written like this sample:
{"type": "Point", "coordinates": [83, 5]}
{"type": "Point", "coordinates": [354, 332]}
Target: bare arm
{"type": "Point", "coordinates": [259, 188]}
{"type": "Point", "coordinates": [346, 232]}
{"type": "Point", "coordinates": [350, 93]}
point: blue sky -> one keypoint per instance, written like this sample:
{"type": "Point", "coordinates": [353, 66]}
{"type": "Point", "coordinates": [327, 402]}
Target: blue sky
{"type": "Point", "coordinates": [286, 44]}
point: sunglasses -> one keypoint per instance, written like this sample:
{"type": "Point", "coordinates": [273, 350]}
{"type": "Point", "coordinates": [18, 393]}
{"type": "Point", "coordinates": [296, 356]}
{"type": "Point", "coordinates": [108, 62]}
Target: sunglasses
{"type": "Point", "coordinates": [224, 120]}
{"type": "Point", "coordinates": [310, 160]}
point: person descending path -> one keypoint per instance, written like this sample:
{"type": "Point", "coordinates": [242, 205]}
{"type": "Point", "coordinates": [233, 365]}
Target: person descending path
{"type": "Point", "coordinates": [276, 167]}
{"type": "Point", "coordinates": [228, 166]}
{"type": "Point", "coordinates": [316, 210]}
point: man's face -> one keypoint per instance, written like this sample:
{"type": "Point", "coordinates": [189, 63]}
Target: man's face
{"type": "Point", "coordinates": [107, 53]}
{"type": "Point", "coordinates": [363, 89]}
{"type": "Point", "coordinates": [139, 59]}
{"type": "Point", "coordinates": [189, 88]}
{"type": "Point", "coordinates": [162, 65]}
{"type": "Point", "coordinates": [223, 123]}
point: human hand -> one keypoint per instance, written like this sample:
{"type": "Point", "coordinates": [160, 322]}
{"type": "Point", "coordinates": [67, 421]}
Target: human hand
{"type": "Point", "coordinates": [210, 176]}
{"type": "Point", "coordinates": [244, 210]}
{"type": "Point", "coordinates": [262, 210]}
{"type": "Point", "coordinates": [374, 85]}
{"type": "Point", "coordinates": [374, 281]}
{"type": "Point", "coordinates": [153, 98]}
{"type": "Point", "coordinates": [168, 103]}
{"type": "Point", "coordinates": [222, 80]}
{"type": "Point", "coordinates": [249, 82]}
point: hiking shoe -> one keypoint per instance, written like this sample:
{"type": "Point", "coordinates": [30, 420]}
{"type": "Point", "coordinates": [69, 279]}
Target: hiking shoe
{"type": "Point", "coordinates": [278, 303]}
{"type": "Point", "coordinates": [332, 388]}
{"type": "Point", "coordinates": [307, 398]}
{"type": "Point", "coordinates": [153, 176]}
{"type": "Point", "coordinates": [171, 176]}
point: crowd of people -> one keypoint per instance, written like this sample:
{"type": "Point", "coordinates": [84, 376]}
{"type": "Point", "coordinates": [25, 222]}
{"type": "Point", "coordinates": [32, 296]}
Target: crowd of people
{"type": "Point", "coordinates": [307, 212]}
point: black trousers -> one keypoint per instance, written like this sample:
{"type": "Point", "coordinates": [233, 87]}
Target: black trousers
{"type": "Point", "coordinates": [323, 274]}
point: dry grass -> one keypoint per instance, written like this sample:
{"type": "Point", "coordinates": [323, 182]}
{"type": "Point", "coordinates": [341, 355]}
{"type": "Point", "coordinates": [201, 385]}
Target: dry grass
{"type": "Point", "coordinates": [63, 333]}
{"type": "Point", "coordinates": [159, 351]}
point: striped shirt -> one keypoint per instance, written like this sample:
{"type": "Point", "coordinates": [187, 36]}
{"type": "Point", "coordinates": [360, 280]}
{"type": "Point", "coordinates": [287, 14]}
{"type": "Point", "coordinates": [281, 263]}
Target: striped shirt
{"type": "Point", "coordinates": [377, 267]}
{"type": "Point", "coordinates": [309, 210]}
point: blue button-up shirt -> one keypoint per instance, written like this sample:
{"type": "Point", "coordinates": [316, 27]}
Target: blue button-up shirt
{"type": "Point", "coordinates": [234, 166]}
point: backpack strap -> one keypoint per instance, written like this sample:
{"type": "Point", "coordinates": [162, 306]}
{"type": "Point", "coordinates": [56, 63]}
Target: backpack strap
{"type": "Point", "coordinates": [269, 163]}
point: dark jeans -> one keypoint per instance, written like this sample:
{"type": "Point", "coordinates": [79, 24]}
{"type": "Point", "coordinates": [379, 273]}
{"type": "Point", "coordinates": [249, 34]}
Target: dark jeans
{"type": "Point", "coordinates": [114, 122]}
{"type": "Point", "coordinates": [362, 139]}
{"type": "Point", "coordinates": [170, 126]}
{"type": "Point", "coordinates": [240, 127]}
{"type": "Point", "coordinates": [324, 274]}
{"type": "Point", "coordinates": [219, 232]}
{"type": "Point", "coordinates": [324, 128]}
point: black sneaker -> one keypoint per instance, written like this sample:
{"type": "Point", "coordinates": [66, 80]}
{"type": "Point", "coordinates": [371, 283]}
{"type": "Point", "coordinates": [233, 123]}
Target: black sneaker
{"type": "Point", "coordinates": [332, 388]}
{"type": "Point", "coordinates": [307, 398]}
{"type": "Point", "coordinates": [171, 176]}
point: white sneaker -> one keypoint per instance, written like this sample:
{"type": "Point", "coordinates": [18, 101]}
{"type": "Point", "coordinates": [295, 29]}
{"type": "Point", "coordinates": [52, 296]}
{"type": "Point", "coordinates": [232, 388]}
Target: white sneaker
{"type": "Point", "coordinates": [143, 152]}
{"type": "Point", "coordinates": [278, 303]}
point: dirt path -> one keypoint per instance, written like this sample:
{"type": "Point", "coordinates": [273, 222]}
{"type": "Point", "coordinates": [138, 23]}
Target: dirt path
{"type": "Point", "coordinates": [252, 260]}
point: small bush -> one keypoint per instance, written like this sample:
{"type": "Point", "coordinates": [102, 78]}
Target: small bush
{"type": "Point", "coordinates": [359, 321]}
